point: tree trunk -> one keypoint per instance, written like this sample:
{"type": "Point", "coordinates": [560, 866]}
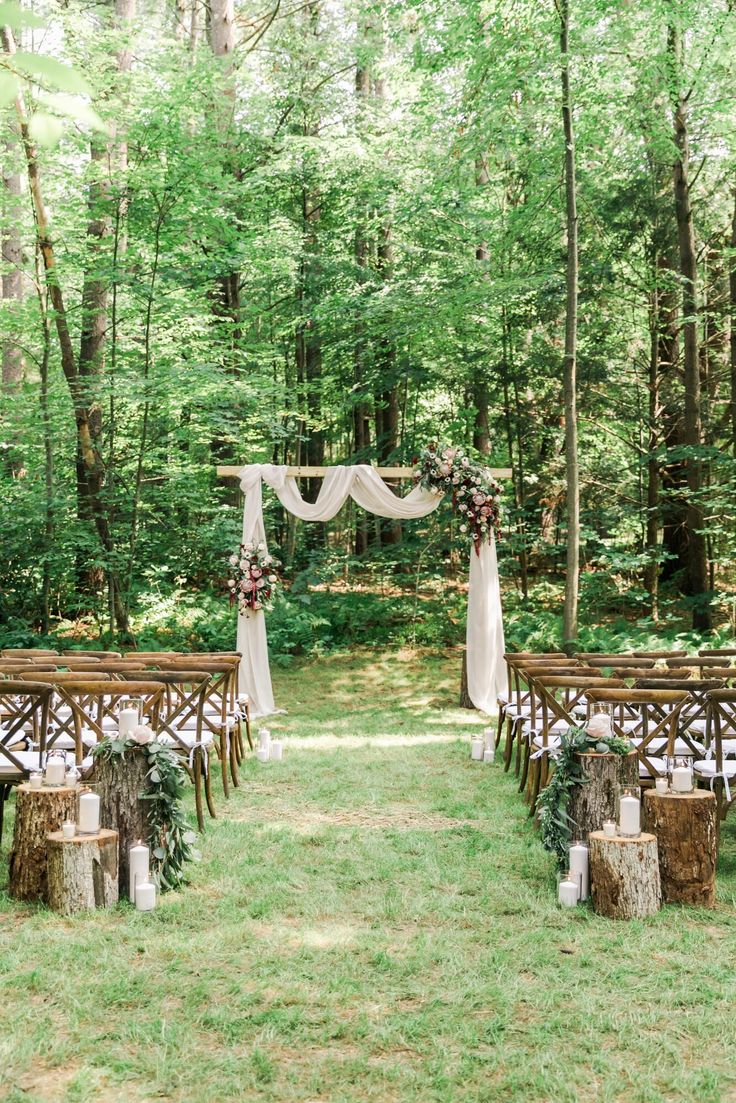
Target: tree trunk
{"type": "Point", "coordinates": [569, 379]}
{"type": "Point", "coordinates": [697, 566]}
{"type": "Point", "coordinates": [481, 432]}
{"type": "Point", "coordinates": [37, 812]}
{"type": "Point", "coordinates": [686, 826]}
{"type": "Point", "coordinates": [13, 365]}
{"type": "Point", "coordinates": [624, 875]}
{"type": "Point", "coordinates": [82, 872]}
{"type": "Point", "coordinates": [595, 802]}
{"type": "Point", "coordinates": [732, 312]}
{"type": "Point", "coordinates": [121, 781]}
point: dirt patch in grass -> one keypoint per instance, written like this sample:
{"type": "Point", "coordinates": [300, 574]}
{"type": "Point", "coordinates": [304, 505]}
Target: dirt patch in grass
{"type": "Point", "coordinates": [305, 821]}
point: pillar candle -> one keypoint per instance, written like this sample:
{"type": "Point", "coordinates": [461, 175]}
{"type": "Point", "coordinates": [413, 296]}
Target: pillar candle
{"type": "Point", "coordinates": [264, 738]}
{"type": "Point", "coordinates": [138, 868]}
{"type": "Point", "coordinates": [68, 829]}
{"type": "Point", "coordinates": [489, 754]}
{"type": "Point", "coordinates": [489, 739]}
{"type": "Point", "coordinates": [145, 896]}
{"type": "Point", "coordinates": [35, 780]}
{"type": "Point", "coordinates": [661, 786]}
{"type": "Point", "coordinates": [89, 814]}
{"type": "Point", "coordinates": [609, 829]}
{"type": "Point", "coordinates": [630, 816]}
{"type": "Point", "coordinates": [263, 753]}
{"type": "Point", "coordinates": [568, 892]}
{"type": "Point", "coordinates": [128, 720]}
{"type": "Point", "coordinates": [476, 750]}
{"type": "Point", "coordinates": [579, 866]}
{"type": "Point", "coordinates": [682, 779]}
{"type": "Point", "coordinates": [276, 752]}
{"type": "Point", "coordinates": [55, 771]}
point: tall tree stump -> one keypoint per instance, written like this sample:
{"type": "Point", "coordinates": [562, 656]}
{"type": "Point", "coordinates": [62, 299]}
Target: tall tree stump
{"type": "Point", "coordinates": [121, 781]}
{"type": "Point", "coordinates": [82, 872]}
{"type": "Point", "coordinates": [686, 826]}
{"type": "Point", "coordinates": [624, 876]}
{"type": "Point", "coordinates": [595, 802]}
{"type": "Point", "coordinates": [465, 702]}
{"type": "Point", "coordinates": [37, 812]}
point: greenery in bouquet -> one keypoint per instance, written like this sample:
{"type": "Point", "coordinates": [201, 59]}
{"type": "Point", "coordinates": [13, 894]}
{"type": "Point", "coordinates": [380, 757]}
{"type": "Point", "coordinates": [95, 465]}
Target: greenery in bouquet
{"type": "Point", "coordinates": [475, 494]}
{"type": "Point", "coordinates": [252, 578]}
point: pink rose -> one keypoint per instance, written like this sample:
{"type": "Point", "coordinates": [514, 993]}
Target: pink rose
{"type": "Point", "coordinates": [479, 499]}
{"type": "Point", "coordinates": [256, 572]}
{"type": "Point", "coordinates": [247, 586]}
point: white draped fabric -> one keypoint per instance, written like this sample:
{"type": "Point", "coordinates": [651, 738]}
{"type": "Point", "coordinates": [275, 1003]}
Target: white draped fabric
{"type": "Point", "coordinates": [485, 643]}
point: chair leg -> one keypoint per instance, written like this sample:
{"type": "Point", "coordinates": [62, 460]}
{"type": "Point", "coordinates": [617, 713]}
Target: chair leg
{"type": "Point", "coordinates": [208, 794]}
{"type": "Point", "coordinates": [519, 748]}
{"type": "Point", "coordinates": [525, 768]}
{"type": "Point", "coordinates": [499, 729]}
{"type": "Point", "coordinates": [509, 744]}
{"type": "Point", "coordinates": [224, 763]}
{"type": "Point", "coordinates": [534, 780]}
{"type": "Point", "coordinates": [234, 758]}
{"type": "Point", "coordinates": [197, 778]}
{"type": "Point", "coordinates": [248, 735]}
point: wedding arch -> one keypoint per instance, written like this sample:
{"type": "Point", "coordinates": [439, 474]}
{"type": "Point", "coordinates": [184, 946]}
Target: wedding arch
{"type": "Point", "coordinates": [486, 674]}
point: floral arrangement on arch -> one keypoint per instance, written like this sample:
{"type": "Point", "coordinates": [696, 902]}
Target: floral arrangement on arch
{"type": "Point", "coordinates": [475, 494]}
{"type": "Point", "coordinates": [252, 581]}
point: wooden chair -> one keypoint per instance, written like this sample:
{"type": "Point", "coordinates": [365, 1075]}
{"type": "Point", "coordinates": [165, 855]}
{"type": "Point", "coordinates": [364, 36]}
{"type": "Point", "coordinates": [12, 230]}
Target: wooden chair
{"type": "Point", "coordinates": [658, 654]}
{"type": "Point", "coordinates": [181, 725]}
{"type": "Point", "coordinates": [717, 770]}
{"type": "Point", "coordinates": [24, 710]}
{"type": "Point", "coordinates": [12, 667]}
{"type": "Point", "coordinates": [637, 673]}
{"type": "Point", "coordinates": [80, 652]}
{"type": "Point", "coordinates": [693, 723]}
{"type": "Point", "coordinates": [694, 662]}
{"type": "Point", "coordinates": [25, 652]}
{"type": "Point", "coordinates": [726, 652]}
{"type": "Point", "coordinates": [649, 718]}
{"type": "Point", "coordinates": [63, 732]}
{"type": "Point", "coordinates": [520, 702]}
{"type": "Point", "coordinates": [608, 662]}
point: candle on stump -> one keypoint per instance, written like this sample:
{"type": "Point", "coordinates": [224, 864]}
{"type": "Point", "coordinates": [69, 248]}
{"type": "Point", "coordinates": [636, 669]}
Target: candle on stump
{"type": "Point", "coordinates": [682, 776]}
{"type": "Point", "coordinates": [568, 892]}
{"type": "Point", "coordinates": [127, 721]}
{"type": "Point", "coordinates": [661, 785]}
{"type": "Point", "coordinates": [68, 829]}
{"type": "Point", "coordinates": [145, 896]}
{"type": "Point", "coordinates": [138, 867]}
{"type": "Point", "coordinates": [55, 770]}
{"type": "Point", "coordinates": [629, 816]}
{"type": "Point", "coordinates": [609, 829]}
{"type": "Point", "coordinates": [35, 779]}
{"type": "Point", "coordinates": [276, 750]}
{"type": "Point", "coordinates": [476, 750]}
{"type": "Point", "coordinates": [579, 866]}
{"type": "Point", "coordinates": [89, 813]}
{"type": "Point", "coordinates": [72, 776]}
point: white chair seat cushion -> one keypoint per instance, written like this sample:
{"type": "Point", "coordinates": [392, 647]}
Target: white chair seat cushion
{"type": "Point", "coordinates": [9, 772]}
{"type": "Point", "coordinates": [657, 763]}
{"type": "Point", "coordinates": [659, 746]}
{"type": "Point", "coordinates": [188, 738]}
{"type": "Point", "coordinates": [552, 741]}
{"type": "Point", "coordinates": [707, 768]}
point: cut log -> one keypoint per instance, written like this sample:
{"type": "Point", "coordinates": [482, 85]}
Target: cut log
{"type": "Point", "coordinates": [465, 702]}
{"type": "Point", "coordinates": [121, 780]}
{"type": "Point", "coordinates": [37, 812]}
{"type": "Point", "coordinates": [686, 827]}
{"type": "Point", "coordinates": [82, 872]}
{"type": "Point", "coordinates": [595, 802]}
{"type": "Point", "coordinates": [624, 876]}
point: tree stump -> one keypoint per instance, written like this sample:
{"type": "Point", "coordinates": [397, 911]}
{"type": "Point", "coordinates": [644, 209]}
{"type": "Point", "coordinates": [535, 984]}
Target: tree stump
{"type": "Point", "coordinates": [120, 782]}
{"type": "Point", "coordinates": [624, 875]}
{"type": "Point", "coordinates": [82, 872]}
{"type": "Point", "coordinates": [686, 826]}
{"type": "Point", "coordinates": [465, 702]}
{"type": "Point", "coordinates": [595, 802]}
{"type": "Point", "coordinates": [37, 812]}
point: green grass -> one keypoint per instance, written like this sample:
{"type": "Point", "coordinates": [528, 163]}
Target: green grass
{"type": "Point", "coordinates": [371, 920]}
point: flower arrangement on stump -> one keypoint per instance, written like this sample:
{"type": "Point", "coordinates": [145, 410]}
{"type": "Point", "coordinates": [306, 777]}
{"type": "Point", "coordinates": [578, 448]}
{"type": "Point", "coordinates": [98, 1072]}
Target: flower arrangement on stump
{"type": "Point", "coordinates": [252, 580]}
{"type": "Point", "coordinates": [475, 494]}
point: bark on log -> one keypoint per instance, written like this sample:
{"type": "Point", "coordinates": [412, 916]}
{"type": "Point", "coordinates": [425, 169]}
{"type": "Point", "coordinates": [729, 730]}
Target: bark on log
{"type": "Point", "coordinates": [624, 875]}
{"type": "Point", "coordinates": [686, 826]}
{"type": "Point", "coordinates": [593, 803]}
{"type": "Point", "coordinates": [82, 872]}
{"type": "Point", "coordinates": [37, 812]}
{"type": "Point", "coordinates": [465, 702]}
{"type": "Point", "coordinates": [120, 782]}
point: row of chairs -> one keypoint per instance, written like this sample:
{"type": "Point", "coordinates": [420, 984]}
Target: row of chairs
{"type": "Point", "coordinates": [70, 702]}
{"type": "Point", "coordinates": [665, 704]}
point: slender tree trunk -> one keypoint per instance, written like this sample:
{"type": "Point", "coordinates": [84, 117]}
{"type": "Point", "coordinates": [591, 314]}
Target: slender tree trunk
{"type": "Point", "coordinates": [481, 431]}
{"type": "Point", "coordinates": [12, 280]}
{"type": "Point", "coordinates": [226, 304]}
{"type": "Point", "coordinates": [570, 621]}
{"type": "Point", "coordinates": [732, 312]}
{"type": "Point", "coordinates": [697, 566]}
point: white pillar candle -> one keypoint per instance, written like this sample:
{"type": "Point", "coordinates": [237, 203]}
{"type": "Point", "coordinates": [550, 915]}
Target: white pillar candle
{"type": "Point", "coordinates": [276, 752]}
{"type": "Point", "coordinates": [488, 755]}
{"type": "Point", "coordinates": [128, 720]}
{"type": "Point", "coordinates": [476, 750]}
{"type": "Point", "coordinates": [89, 814]}
{"type": "Point", "coordinates": [35, 779]}
{"type": "Point", "coordinates": [579, 868]}
{"type": "Point", "coordinates": [138, 868]}
{"type": "Point", "coordinates": [263, 754]}
{"type": "Point", "coordinates": [568, 892]}
{"type": "Point", "coordinates": [609, 829]}
{"type": "Point", "coordinates": [661, 786]}
{"type": "Point", "coordinates": [145, 896]}
{"type": "Point", "coordinates": [68, 829]}
{"type": "Point", "coordinates": [55, 771]}
{"type": "Point", "coordinates": [489, 739]}
{"type": "Point", "coordinates": [264, 738]}
{"type": "Point", "coordinates": [682, 779]}
{"type": "Point", "coordinates": [630, 816]}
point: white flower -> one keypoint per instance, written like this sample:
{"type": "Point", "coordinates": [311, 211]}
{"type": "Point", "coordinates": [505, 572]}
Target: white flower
{"type": "Point", "coordinates": [233, 560]}
{"type": "Point", "coordinates": [142, 734]}
{"type": "Point", "coordinates": [260, 583]}
{"type": "Point", "coordinates": [266, 559]}
{"type": "Point", "coordinates": [244, 564]}
{"type": "Point", "coordinates": [231, 583]}
{"type": "Point", "coordinates": [272, 578]}
{"type": "Point", "coordinates": [463, 508]}
{"type": "Point", "coordinates": [261, 547]}
{"type": "Point", "coordinates": [463, 528]}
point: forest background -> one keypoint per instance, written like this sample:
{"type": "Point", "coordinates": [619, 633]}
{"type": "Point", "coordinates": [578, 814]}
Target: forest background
{"type": "Point", "coordinates": [328, 231]}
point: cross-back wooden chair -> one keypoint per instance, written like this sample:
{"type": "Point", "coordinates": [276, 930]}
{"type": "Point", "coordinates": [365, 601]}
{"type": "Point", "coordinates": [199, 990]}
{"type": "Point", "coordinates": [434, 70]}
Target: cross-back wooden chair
{"type": "Point", "coordinates": [181, 726]}
{"type": "Point", "coordinates": [12, 667]}
{"type": "Point", "coordinates": [561, 698]}
{"type": "Point", "coordinates": [24, 710]}
{"type": "Point", "coordinates": [94, 703]}
{"type": "Point", "coordinates": [693, 722]}
{"type": "Point", "coordinates": [521, 697]}
{"type": "Point", "coordinates": [649, 718]}
{"type": "Point", "coordinates": [218, 715]}
{"type": "Point", "coordinates": [63, 732]}
{"type": "Point", "coordinates": [718, 770]}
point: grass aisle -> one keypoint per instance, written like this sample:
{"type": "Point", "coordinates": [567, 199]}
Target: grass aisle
{"type": "Point", "coordinates": [373, 919]}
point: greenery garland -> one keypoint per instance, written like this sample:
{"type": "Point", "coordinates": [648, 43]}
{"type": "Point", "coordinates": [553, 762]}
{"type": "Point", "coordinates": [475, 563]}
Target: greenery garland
{"type": "Point", "coordinates": [554, 820]}
{"type": "Point", "coordinates": [170, 836]}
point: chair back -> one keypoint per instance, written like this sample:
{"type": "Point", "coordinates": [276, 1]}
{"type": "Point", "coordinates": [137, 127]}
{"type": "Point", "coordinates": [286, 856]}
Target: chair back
{"type": "Point", "coordinates": [79, 653]}
{"type": "Point", "coordinates": [184, 693]}
{"type": "Point", "coordinates": [25, 652]}
{"type": "Point", "coordinates": [24, 707]}
{"type": "Point", "coordinates": [726, 651]}
{"type": "Point", "coordinates": [646, 716]}
{"type": "Point", "coordinates": [721, 722]}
